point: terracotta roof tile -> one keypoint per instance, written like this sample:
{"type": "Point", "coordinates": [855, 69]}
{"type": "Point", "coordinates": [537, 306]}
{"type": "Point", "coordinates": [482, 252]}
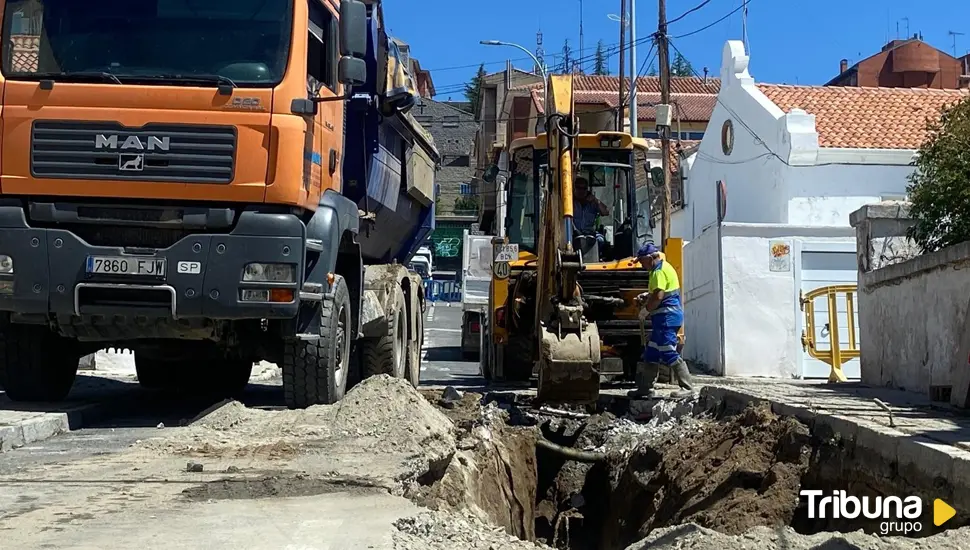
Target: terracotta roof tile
{"type": "Point", "coordinates": [26, 53]}
{"type": "Point", "coordinates": [865, 118]}
{"type": "Point", "coordinates": [645, 84]}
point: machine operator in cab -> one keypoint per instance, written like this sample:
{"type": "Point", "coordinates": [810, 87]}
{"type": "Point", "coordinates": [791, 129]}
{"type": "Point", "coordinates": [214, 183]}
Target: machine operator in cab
{"type": "Point", "coordinates": [664, 305]}
{"type": "Point", "coordinates": [585, 209]}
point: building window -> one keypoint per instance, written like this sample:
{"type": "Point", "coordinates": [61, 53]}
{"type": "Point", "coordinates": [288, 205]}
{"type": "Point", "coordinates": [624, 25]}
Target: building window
{"type": "Point", "coordinates": [451, 121]}
{"type": "Point", "coordinates": [651, 135]}
{"type": "Point", "coordinates": [695, 136]}
{"type": "Point", "coordinates": [322, 48]}
{"type": "Point", "coordinates": [465, 189]}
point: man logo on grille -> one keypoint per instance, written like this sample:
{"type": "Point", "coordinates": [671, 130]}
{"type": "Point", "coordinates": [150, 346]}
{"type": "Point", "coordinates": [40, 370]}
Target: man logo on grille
{"type": "Point", "coordinates": [131, 163]}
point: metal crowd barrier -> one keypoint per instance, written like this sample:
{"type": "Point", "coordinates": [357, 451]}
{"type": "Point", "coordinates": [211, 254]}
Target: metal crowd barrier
{"type": "Point", "coordinates": [442, 291]}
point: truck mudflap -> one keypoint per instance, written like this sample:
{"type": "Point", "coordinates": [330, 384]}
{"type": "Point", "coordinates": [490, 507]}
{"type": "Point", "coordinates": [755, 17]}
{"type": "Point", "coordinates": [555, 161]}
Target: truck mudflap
{"type": "Point", "coordinates": [55, 271]}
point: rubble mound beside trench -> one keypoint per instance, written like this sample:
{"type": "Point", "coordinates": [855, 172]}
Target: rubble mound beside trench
{"type": "Point", "coordinates": [383, 429]}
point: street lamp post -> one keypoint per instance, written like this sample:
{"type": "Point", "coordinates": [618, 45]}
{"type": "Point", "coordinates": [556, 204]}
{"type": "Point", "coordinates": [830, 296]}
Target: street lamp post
{"type": "Point", "coordinates": [540, 65]}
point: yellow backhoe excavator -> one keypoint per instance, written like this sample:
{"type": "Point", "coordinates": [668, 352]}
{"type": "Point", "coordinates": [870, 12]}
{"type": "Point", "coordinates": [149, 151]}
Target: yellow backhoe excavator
{"type": "Point", "coordinates": [561, 302]}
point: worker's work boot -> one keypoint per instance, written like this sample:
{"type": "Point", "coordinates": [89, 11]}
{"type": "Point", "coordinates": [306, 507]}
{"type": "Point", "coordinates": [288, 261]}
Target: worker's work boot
{"type": "Point", "coordinates": [646, 378]}
{"type": "Point", "coordinates": [682, 373]}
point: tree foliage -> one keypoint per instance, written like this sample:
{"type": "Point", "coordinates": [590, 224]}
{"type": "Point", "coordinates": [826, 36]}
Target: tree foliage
{"type": "Point", "coordinates": [681, 67]}
{"type": "Point", "coordinates": [473, 90]}
{"type": "Point", "coordinates": [652, 71]}
{"type": "Point", "coordinates": [467, 204]}
{"type": "Point", "coordinates": [939, 187]}
{"type": "Point", "coordinates": [600, 64]}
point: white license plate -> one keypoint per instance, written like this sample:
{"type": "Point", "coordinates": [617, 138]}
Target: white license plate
{"type": "Point", "coordinates": [125, 265]}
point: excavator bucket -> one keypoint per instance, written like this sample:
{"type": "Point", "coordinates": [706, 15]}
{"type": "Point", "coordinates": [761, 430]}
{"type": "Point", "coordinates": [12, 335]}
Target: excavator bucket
{"type": "Point", "coordinates": [569, 366]}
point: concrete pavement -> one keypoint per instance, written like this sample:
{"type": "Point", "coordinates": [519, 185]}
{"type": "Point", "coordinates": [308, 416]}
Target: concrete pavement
{"type": "Point", "coordinates": [335, 521]}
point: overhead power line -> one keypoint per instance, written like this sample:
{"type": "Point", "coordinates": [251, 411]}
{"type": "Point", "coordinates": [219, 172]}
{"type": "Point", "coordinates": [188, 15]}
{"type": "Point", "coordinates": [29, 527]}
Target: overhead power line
{"type": "Point", "coordinates": [688, 12]}
{"type": "Point", "coordinates": [705, 27]}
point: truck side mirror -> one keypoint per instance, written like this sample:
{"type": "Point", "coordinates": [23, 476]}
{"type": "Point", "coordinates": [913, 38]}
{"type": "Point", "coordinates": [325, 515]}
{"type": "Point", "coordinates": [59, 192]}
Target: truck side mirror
{"type": "Point", "coordinates": [352, 71]}
{"type": "Point", "coordinates": [353, 28]}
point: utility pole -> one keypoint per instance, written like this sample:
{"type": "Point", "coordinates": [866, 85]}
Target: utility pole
{"type": "Point", "coordinates": [581, 49]}
{"type": "Point", "coordinates": [619, 115]}
{"type": "Point", "coordinates": [744, 27]}
{"type": "Point", "coordinates": [663, 117]}
{"type": "Point", "coordinates": [633, 68]}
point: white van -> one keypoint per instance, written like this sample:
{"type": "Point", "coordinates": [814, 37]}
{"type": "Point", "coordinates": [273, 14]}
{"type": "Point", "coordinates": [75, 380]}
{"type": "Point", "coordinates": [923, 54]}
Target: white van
{"type": "Point", "coordinates": [425, 252]}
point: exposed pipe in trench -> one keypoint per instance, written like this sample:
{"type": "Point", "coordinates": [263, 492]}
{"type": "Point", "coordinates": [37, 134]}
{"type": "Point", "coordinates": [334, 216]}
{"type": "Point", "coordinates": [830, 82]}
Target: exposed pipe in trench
{"type": "Point", "coordinates": [589, 457]}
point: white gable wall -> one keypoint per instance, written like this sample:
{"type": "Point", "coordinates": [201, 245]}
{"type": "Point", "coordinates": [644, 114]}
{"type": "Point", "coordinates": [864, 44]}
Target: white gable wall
{"type": "Point", "coordinates": [741, 318]}
{"type": "Point", "coordinates": [776, 172]}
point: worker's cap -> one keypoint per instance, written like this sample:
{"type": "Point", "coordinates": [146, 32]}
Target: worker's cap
{"type": "Point", "coordinates": [646, 250]}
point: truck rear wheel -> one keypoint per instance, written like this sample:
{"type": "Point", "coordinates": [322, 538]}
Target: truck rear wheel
{"type": "Point", "coordinates": [315, 372]}
{"type": "Point", "coordinates": [414, 352]}
{"type": "Point", "coordinates": [35, 364]}
{"type": "Point", "coordinates": [387, 354]}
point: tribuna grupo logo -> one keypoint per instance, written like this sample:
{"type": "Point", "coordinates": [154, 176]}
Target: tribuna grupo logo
{"type": "Point", "coordinates": [898, 515]}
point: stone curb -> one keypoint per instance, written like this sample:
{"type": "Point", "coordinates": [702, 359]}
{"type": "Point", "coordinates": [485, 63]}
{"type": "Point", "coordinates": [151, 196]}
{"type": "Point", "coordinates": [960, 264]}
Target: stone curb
{"type": "Point", "coordinates": [46, 425]}
{"type": "Point", "coordinates": [933, 458]}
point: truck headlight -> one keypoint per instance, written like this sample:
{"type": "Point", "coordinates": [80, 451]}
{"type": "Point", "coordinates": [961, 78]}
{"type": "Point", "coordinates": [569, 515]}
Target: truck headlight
{"type": "Point", "coordinates": [6, 264]}
{"type": "Point", "coordinates": [269, 273]}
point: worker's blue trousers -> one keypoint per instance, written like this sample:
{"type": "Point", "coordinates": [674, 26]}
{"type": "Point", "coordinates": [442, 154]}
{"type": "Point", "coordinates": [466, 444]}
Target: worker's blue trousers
{"type": "Point", "coordinates": [662, 347]}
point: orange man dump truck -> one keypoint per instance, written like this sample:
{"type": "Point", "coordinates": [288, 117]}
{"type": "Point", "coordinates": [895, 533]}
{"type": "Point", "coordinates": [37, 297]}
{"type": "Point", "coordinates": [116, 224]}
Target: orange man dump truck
{"type": "Point", "coordinates": [209, 183]}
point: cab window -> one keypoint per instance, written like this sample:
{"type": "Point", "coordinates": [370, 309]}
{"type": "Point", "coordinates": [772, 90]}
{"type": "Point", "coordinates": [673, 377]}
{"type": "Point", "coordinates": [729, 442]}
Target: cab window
{"type": "Point", "coordinates": [321, 49]}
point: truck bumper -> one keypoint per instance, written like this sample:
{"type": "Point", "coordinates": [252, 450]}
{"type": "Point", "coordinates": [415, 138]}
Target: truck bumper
{"type": "Point", "coordinates": [203, 275]}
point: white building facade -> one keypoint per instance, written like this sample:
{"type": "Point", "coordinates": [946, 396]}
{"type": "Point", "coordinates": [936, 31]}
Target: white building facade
{"type": "Point", "coordinates": [792, 163]}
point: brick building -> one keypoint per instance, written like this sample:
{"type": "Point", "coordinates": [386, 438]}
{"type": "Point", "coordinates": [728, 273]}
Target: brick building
{"type": "Point", "coordinates": [908, 63]}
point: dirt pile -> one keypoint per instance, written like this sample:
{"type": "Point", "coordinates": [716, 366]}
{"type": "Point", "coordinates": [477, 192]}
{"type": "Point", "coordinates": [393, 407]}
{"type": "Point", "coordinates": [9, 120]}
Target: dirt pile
{"type": "Point", "coordinates": [694, 537]}
{"type": "Point", "coordinates": [382, 428]}
{"type": "Point", "coordinates": [731, 476]}
{"type": "Point", "coordinates": [449, 531]}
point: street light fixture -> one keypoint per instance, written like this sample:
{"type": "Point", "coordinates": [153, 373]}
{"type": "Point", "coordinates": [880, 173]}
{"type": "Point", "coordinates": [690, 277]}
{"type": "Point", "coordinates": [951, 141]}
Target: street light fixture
{"type": "Point", "coordinates": [618, 19]}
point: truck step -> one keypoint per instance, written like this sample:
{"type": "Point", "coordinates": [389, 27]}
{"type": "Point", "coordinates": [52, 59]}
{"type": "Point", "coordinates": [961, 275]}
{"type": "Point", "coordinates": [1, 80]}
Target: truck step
{"type": "Point", "coordinates": [314, 245]}
{"type": "Point", "coordinates": [313, 287]}
{"type": "Point", "coordinates": [308, 337]}
{"type": "Point", "coordinates": [311, 296]}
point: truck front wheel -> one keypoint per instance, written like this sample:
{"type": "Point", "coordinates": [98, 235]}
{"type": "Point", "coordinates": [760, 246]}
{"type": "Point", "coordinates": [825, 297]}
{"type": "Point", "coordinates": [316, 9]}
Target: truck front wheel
{"type": "Point", "coordinates": [36, 364]}
{"type": "Point", "coordinates": [315, 372]}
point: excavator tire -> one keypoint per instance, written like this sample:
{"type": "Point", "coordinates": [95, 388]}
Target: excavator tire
{"type": "Point", "coordinates": [518, 364]}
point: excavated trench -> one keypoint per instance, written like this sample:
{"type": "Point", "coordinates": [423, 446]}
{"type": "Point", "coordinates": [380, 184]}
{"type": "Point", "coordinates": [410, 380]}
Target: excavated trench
{"type": "Point", "coordinates": [597, 481]}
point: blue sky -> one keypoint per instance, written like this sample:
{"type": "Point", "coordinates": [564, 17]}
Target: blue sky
{"type": "Point", "coordinates": [790, 42]}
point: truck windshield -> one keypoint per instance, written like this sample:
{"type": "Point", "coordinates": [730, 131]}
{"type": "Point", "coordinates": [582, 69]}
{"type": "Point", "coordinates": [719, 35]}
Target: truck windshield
{"type": "Point", "coordinates": [187, 42]}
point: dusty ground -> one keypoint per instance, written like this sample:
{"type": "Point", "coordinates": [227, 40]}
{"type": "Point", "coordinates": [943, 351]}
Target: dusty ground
{"type": "Point", "coordinates": [694, 537]}
{"type": "Point", "coordinates": [475, 468]}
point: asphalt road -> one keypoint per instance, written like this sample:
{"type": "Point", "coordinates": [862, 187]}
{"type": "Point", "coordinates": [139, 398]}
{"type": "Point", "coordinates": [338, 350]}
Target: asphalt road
{"type": "Point", "coordinates": [442, 363]}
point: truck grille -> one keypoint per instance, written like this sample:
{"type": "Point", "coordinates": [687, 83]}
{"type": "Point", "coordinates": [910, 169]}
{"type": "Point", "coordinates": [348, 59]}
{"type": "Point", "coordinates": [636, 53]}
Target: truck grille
{"type": "Point", "coordinates": [155, 152]}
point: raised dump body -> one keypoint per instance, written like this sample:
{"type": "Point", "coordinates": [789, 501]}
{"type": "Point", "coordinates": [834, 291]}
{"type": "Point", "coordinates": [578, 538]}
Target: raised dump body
{"type": "Point", "coordinates": [211, 202]}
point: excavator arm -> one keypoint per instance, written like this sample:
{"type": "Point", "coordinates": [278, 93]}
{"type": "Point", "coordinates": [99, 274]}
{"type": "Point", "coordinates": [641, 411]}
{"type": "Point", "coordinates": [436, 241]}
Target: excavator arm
{"type": "Point", "coordinates": [569, 345]}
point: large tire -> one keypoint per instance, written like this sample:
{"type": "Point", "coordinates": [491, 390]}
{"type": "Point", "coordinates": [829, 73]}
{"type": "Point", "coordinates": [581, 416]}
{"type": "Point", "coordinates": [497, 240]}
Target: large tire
{"type": "Point", "coordinates": [415, 350]}
{"type": "Point", "coordinates": [36, 364]}
{"type": "Point", "coordinates": [387, 354]}
{"type": "Point", "coordinates": [315, 372]}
